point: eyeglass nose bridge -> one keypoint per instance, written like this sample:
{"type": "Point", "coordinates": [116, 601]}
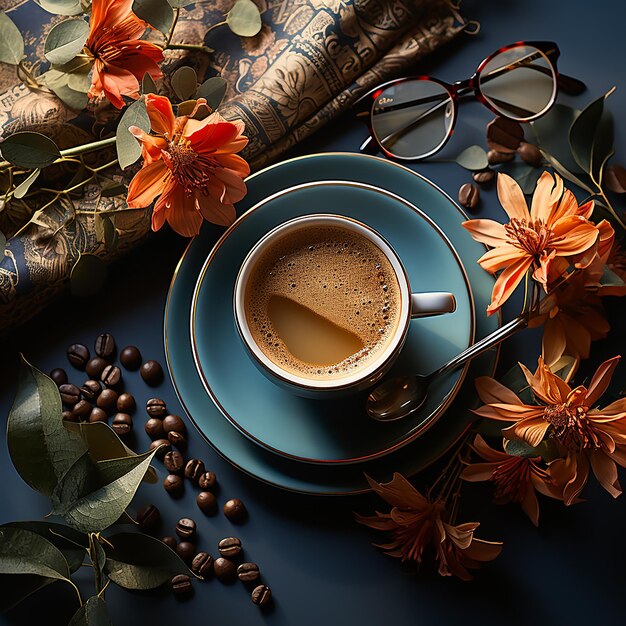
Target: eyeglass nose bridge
{"type": "Point", "coordinates": [464, 87]}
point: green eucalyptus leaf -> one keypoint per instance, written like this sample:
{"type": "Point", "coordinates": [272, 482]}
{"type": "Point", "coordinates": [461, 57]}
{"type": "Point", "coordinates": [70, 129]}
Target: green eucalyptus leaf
{"type": "Point", "coordinates": [473, 158]}
{"type": "Point", "coordinates": [61, 7]}
{"type": "Point", "coordinates": [610, 279]}
{"type": "Point", "coordinates": [22, 189]}
{"type": "Point", "coordinates": [244, 19]}
{"type": "Point", "coordinates": [181, 4]}
{"type": "Point", "coordinates": [65, 40]}
{"type": "Point", "coordinates": [87, 275]}
{"type": "Point", "coordinates": [80, 479]}
{"type": "Point", "coordinates": [75, 100]}
{"type": "Point", "coordinates": [185, 82]}
{"type": "Point", "coordinates": [526, 175]}
{"type": "Point", "coordinates": [93, 613]}
{"type": "Point", "coordinates": [213, 91]}
{"type": "Point", "coordinates": [15, 589]}
{"type": "Point", "coordinates": [157, 13]}
{"type": "Point", "coordinates": [98, 559]}
{"type": "Point", "coordinates": [148, 85]}
{"type": "Point", "coordinates": [515, 380]}
{"type": "Point", "coordinates": [515, 447]}
{"type": "Point", "coordinates": [186, 108]}
{"type": "Point", "coordinates": [41, 449]}
{"type": "Point", "coordinates": [110, 233]}
{"type": "Point", "coordinates": [3, 243]}
{"type": "Point", "coordinates": [11, 41]}
{"type": "Point", "coordinates": [112, 188]}
{"type": "Point", "coordinates": [29, 150]}
{"type": "Point", "coordinates": [138, 561]}
{"type": "Point", "coordinates": [128, 148]}
{"type": "Point", "coordinates": [79, 81]}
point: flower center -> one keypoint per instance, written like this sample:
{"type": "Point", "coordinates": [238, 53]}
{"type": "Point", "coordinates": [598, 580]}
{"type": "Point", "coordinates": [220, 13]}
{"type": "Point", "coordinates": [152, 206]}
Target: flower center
{"type": "Point", "coordinates": [534, 236]}
{"type": "Point", "coordinates": [190, 170]}
{"type": "Point", "coordinates": [511, 479]}
{"type": "Point", "coordinates": [570, 426]}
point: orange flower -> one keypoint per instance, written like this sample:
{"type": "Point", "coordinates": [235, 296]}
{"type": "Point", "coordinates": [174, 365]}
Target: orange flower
{"type": "Point", "coordinates": [555, 227]}
{"type": "Point", "coordinates": [584, 435]}
{"type": "Point", "coordinates": [616, 262]}
{"type": "Point", "coordinates": [192, 165]}
{"type": "Point", "coordinates": [517, 478]}
{"type": "Point", "coordinates": [416, 524]}
{"type": "Point", "coordinates": [121, 59]}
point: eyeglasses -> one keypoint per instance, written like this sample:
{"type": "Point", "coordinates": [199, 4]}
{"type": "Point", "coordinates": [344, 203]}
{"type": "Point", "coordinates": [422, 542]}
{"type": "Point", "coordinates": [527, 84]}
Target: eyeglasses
{"type": "Point", "coordinates": [413, 118]}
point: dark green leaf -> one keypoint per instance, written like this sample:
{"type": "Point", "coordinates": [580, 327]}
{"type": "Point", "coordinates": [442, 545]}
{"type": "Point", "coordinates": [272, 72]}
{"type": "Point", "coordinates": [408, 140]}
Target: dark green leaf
{"type": "Point", "coordinates": [11, 41]}
{"type": "Point", "coordinates": [112, 188]}
{"type": "Point", "coordinates": [110, 234]}
{"type": "Point", "coordinates": [526, 175]}
{"type": "Point", "coordinates": [87, 275]}
{"type": "Point", "coordinates": [180, 4]}
{"type": "Point", "coordinates": [22, 189]}
{"type": "Point", "coordinates": [490, 428]}
{"type": "Point", "coordinates": [98, 559]}
{"type": "Point", "coordinates": [75, 100]}
{"type": "Point", "coordinates": [212, 90]}
{"type": "Point", "coordinates": [80, 479]}
{"type": "Point", "coordinates": [186, 108]}
{"type": "Point", "coordinates": [514, 447]}
{"type": "Point", "coordinates": [610, 279]}
{"type": "Point", "coordinates": [148, 85]}
{"type": "Point", "coordinates": [473, 158]}
{"type": "Point", "coordinates": [139, 561]}
{"type": "Point", "coordinates": [185, 82]}
{"type": "Point", "coordinates": [61, 7]}
{"type": "Point", "coordinates": [65, 40]}
{"type": "Point", "coordinates": [515, 380]}
{"type": "Point", "coordinates": [29, 150]}
{"type": "Point", "coordinates": [40, 448]}
{"type": "Point", "coordinates": [244, 19]}
{"type": "Point", "coordinates": [15, 589]}
{"type": "Point", "coordinates": [79, 81]}
{"type": "Point", "coordinates": [157, 13]}
{"type": "Point", "coordinates": [3, 243]}
{"type": "Point", "coordinates": [93, 613]}
{"type": "Point", "coordinates": [128, 148]}
{"type": "Point", "coordinates": [614, 178]}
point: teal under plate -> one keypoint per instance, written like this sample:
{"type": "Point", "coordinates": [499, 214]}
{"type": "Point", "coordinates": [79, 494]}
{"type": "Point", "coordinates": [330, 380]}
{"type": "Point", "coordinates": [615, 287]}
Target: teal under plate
{"type": "Point", "coordinates": [226, 439]}
{"type": "Point", "coordinates": [336, 430]}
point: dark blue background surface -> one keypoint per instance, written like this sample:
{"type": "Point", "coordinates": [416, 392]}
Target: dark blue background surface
{"type": "Point", "coordinates": [317, 561]}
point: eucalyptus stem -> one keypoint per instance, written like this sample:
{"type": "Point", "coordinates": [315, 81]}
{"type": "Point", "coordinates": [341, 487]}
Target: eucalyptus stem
{"type": "Point", "coordinates": [189, 46]}
{"type": "Point", "coordinates": [609, 206]}
{"type": "Point", "coordinates": [80, 599]}
{"type": "Point", "coordinates": [170, 34]}
{"type": "Point", "coordinates": [223, 23]}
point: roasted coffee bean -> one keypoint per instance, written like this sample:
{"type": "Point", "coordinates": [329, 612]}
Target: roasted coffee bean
{"type": "Point", "coordinates": [78, 355]}
{"type": "Point", "coordinates": [98, 415]}
{"type": "Point", "coordinates": [261, 595]}
{"type": "Point", "coordinates": [235, 510]}
{"type": "Point", "coordinates": [177, 440]}
{"type": "Point", "coordinates": [469, 195]}
{"type": "Point", "coordinates": [173, 423]}
{"type": "Point", "coordinates": [530, 154]}
{"type": "Point", "coordinates": [174, 485]}
{"type": "Point", "coordinates": [152, 373]}
{"type": "Point", "coordinates": [111, 375]}
{"type": "Point", "coordinates": [504, 135]}
{"type": "Point", "coordinates": [194, 469]}
{"type": "Point", "coordinates": [107, 400]}
{"type": "Point", "coordinates": [91, 389]}
{"type": "Point", "coordinates": [148, 517]}
{"type": "Point", "coordinates": [126, 403]}
{"type": "Point", "coordinates": [104, 346]}
{"type": "Point", "coordinates": [230, 547]}
{"type": "Point", "coordinates": [207, 502]}
{"type": "Point", "coordinates": [130, 358]}
{"type": "Point", "coordinates": [95, 367]}
{"type": "Point", "coordinates": [248, 572]}
{"type": "Point", "coordinates": [181, 585]}
{"type": "Point", "coordinates": [186, 528]}
{"type": "Point", "coordinates": [494, 157]}
{"type": "Point", "coordinates": [208, 481]}
{"type": "Point", "coordinates": [186, 551]}
{"type": "Point", "coordinates": [122, 424]}
{"type": "Point", "coordinates": [68, 416]}
{"type": "Point", "coordinates": [163, 447]}
{"type": "Point", "coordinates": [82, 409]}
{"type": "Point", "coordinates": [59, 376]}
{"type": "Point", "coordinates": [225, 570]}
{"type": "Point", "coordinates": [170, 542]}
{"type": "Point", "coordinates": [202, 564]}
{"type": "Point", "coordinates": [155, 407]}
{"type": "Point", "coordinates": [174, 462]}
{"type": "Point", "coordinates": [484, 177]}
{"type": "Point", "coordinates": [154, 428]}
{"type": "Point", "coordinates": [70, 394]}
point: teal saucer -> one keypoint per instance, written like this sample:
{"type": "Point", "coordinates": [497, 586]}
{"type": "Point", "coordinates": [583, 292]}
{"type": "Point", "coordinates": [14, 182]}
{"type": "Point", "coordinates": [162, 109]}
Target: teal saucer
{"type": "Point", "coordinates": [330, 431]}
{"type": "Point", "coordinates": [261, 463]}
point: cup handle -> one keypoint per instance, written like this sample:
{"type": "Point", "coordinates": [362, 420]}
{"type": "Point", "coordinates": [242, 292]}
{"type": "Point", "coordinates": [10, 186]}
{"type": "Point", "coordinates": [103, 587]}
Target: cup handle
{"type": "Point", "coordinates": [432, 303]}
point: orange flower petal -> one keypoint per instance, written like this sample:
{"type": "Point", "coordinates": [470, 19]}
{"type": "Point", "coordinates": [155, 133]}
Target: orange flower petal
{"type": "Point", "coordinates": [553, 341]}
{"type": "Point", "coordinates": [479, 472]}
{"type": "Point", "coordinates": [531, 429]}
{"type": "Point", "coordinates": [147, 184]}
{"type": "Point", "coordinates": [506, 283]}
{"type": "Point", "coordinates": [489, 232]}
{"type": "Point", "coordinates": [502, 256]}
{"type": "Point", "coordinates": [161, 115]}
{"type": "Point", "coordinates": [215, 211]}
{"type": "Point", "coordinates": [546, 196]}
{"type": "Point", "coordinates": [605, 471]}
{"type": "Point", "coordinates": [512, 197]}
{"type": "Point", "coordinates": [530, 506]}
{"type": "Point", "coordinates": [573, 235]}
{"type": "Point", "coordinates": [490, 390]}
{"type": "Point", "coordinates": [399, 492]}
{"type": "Point", "coordinates": [601, 380]}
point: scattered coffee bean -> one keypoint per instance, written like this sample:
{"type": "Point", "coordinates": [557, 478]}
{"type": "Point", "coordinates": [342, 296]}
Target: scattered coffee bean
{"type": "Point", "coordinates": [78, 355]}
{"type": "Point", "coordinates": [225, 570]}
{"type": "Point", "coordinates": [59, 376]}
{"type": "Point", "coordinates": [82, 409]}
{"type": "Point", "coordinates": [230, 547]}
{"type": "Point", "coordinates": [174, 485]}
{"type": "Point", "coordinates": [122, 424]}
{"type": "Point", "coordinates": [163, 447]}
{"type": "Point", "coordinates": [107, 400]}
{"type": "Point", "coordinates": [173, 423]}
{"type": "Point", "coordinates": [186, 551]}
{"type": "Point", "coordinates": [111, 375]}
{"type": "Point", "coordinates": [483, 177]}
{"type": "Point", "coordinates": [177, 440]}
{"type": "Point", "coordinates": [181, 585]}
{"type": "Point", "coordinates": [104, 346]}
{"type": "Point", "coordinates": [194, 469]}
{"type": "Point", "coordinates": [98, 415]}
{"type": "Point", "coordinates": [469, 195]}
{"type": "Point", "coordinates": [154, 428]}
{"type": "Point", "coordinates": [530, 154]}
{"type": "Point", "coordinates": [148, 517]}
{"type": "Point", "coordinates": [126, 403]}
{"type": "Point", "coordinates": [155, 407]}
{"type": "Point", "coordinates": [152, 373]}
{"type": "Point", "coordinates": [248, 572]}
{"type": "Point", "coordinates": [207, 502]}
{"type": "Point", "coordinates": [130, 358]}
{"type": "Point", "coordinates": [170, 542]}
{"type": "Point", "coordinates": [91, 389]}
{"type": "Point", "coordinates": [261, 595]}
{"type": "Point", "coordinates": [95, 367]}
{"type": "Point", "coordinates": [494, 157]}
{"type": "Point", "coordinates": [174, 462]}
{"type": "Point", "coordinates": [504, 135]}
{"type": "Point", "coordinates": [208, 481]}
{"type": "Point", "coordinates": [202, 564]}
{"type": "Point", "coordinates": [235, 510]}
{"type": "Point", "coordinates": [186, 528]}
{"type": "Point", "coordinates": [70, 394]}
{"type": "Point", "coordinates": [68, 416]}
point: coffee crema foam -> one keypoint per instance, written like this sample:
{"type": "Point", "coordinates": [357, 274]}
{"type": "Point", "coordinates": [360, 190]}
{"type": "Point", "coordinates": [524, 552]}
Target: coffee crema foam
{"type": "Point", "coordinates": [322, 302]}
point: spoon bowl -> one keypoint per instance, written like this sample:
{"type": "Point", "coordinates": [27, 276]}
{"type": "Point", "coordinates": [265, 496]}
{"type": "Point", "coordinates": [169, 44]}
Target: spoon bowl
{"type": "Point", "coordinates": [397, 398]}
